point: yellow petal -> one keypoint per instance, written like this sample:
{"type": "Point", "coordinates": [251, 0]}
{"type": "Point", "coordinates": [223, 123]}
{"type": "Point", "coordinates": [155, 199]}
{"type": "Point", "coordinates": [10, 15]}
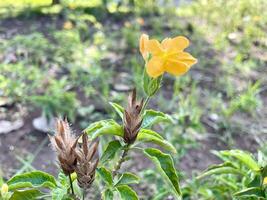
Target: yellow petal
{"type": "Point", "coordinates": [176, 44]}
{"type": "Point", "coordinates": [186, 58]}
{"type": "Point", "coordinates": [142, 45]}
{"type": "Point", "coordinates": [153, 47]}
{"type": "Point", "coordinates": [176, 67]}
{"type": "Point", "coordinates": [165, 43]}
{"type": "Point", "coordinates": [154, 67]}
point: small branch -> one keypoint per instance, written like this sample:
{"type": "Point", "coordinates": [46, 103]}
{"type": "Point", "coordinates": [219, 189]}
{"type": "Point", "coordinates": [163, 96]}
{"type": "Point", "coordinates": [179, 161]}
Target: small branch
{"type": "Point", "coordinates": [145, 103]}
{"type": "Point", "coordinates": [121, 160]}
{"type": "Point", "coordinates": [71, 186]}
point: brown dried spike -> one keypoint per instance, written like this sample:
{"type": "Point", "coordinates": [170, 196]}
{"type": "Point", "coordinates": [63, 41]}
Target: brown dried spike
{"type": "Point", "coordinates": [132, 97]}
{"type": "Point", "coordinates": [85, 144]}
{"type": "Point", "coordinates": [86, 166]}
{"type": "Point", "coordinates": [59, 143]}
{"type": "Point", "coordinates": [61, 129]}
{"type": "Point", "coordinates": [64, 143]}
{"type": "Point", "coordinates": [92, 151]}
{"type": "Point", "coordinates": [132, 118]}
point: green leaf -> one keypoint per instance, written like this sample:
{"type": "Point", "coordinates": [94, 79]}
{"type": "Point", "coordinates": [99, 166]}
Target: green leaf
{"type": "Point", "coordinates": [110, 151]}
{"type": "Point", "coordinates": [152, 117]}
{"type": "Point", "coordinates": [107, 195]}
{"type": "Point", "coordinates": [32, 179]}
{"type": "Point", "coordinates": [256, 181]}
{"type": "Point", "coordinates": [59, 193]}
{"type": "Point", "coordinates": [225, 168]}
{"type": "Point", "coordinates": [146, 80]}
{"type": "Point", "coordinates": [161, 194]}
{"type": "Point", "coordinates": [126, 192]}
{"type": "Point", "coordinates": [165, 165]}
{"type": "Point", "coordinates": [104, 127]}
{"type": "Point", "coordinates": [146, 135]}
{"type": "Point", "coordinates": [150, 133]}
{"type": "Point", "coordinates": [225, 164]}
{"type": "Point", "coordinates": [106, 175]}
{"type": "Point", "coordinates": [250, 192]}
{"type": "Point", "coordinates": [118, 108]}
{"type": "Point", "coordinates": [151, 85]}
{"type": "Point", "coordinates": [128, 178]}
{"type": "Point", "coordinates": [26, 195]}
{"type": "Point", "coordinates": [244, 157]}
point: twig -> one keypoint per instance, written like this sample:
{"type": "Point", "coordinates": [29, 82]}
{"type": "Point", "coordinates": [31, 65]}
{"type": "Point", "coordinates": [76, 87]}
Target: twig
{"type": "Point", "coordinates": [145, 103]}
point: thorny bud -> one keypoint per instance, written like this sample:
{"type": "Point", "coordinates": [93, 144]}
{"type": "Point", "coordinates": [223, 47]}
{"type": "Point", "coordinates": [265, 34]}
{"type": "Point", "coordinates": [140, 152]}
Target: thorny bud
{"type": "Point", "coordinates": [64, 143]}
{"type": "Point", "coordinates": [86, 166]}
{"type": "Point", "coordinates": [132, 118]}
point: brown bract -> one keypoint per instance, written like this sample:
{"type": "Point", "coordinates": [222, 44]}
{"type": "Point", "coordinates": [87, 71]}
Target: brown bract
{"type": "Point", "coordinates": [132, 118]}
{"type": "Point", "coordinates": [86, 166]}
{"type": "Point", "coordinates": [64, 143]}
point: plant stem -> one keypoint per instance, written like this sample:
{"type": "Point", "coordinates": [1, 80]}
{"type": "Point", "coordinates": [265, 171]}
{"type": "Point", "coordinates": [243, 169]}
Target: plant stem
{"type": "Point", "coordinates": [71, 186]}
{"type": "Point", "coordinates": [146, 102]}
{"type": "Point", "coordinates": [83, 194]}
{"type": "Point", "coordinates": [121, 160]}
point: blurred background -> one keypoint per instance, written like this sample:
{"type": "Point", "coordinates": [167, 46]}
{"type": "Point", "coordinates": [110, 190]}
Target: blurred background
{"type": "Point", "coordinates": [70, 58]}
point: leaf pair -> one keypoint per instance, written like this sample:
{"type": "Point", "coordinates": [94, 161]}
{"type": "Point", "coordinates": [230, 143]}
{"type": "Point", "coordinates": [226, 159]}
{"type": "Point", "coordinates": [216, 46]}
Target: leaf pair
{"type": "Point", "coordinates": [110, 127]}
{"type": "Point", "coordinates": [120, 186]}
{"type": "Point", "coordinates": [27, 185]}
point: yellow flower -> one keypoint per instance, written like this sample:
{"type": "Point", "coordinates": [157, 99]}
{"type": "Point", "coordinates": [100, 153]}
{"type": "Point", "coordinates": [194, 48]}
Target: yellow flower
{"type": "Point", "coordinates": [142, 45]}
{"type": "Point", "coordinates": [167, 56]}
{"type": "Point", "coordinates": [4, 189]}
{"type": "Point", "coordinates": [265, 181]}
{"type": "Point", "coordinates": [68, 25]}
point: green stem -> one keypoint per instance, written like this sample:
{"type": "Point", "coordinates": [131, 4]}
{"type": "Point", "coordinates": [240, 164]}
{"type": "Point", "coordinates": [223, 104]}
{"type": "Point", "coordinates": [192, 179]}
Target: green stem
{"type": "Point", "coordinates": [121, 160]}
{"type": "Point", "coordinates": [71, 186]}
{"type": "Point", "coordinates": [145, 103]}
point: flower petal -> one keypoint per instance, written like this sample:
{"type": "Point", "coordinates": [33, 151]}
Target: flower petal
{"type": "Point", "coordinates": [155, 67]}
{"type": "Point", "coordinates": [176, 67]}
{"type": "Point", "coordinates": [178, 43]}
{"type": "Point", "coordinates": [165, 43]}
{"type": "Point", "coordinates": [142, 45]}
{"type": "Point", "coordinates": [153, 47]}
{"type": "Point", "coordinates": [186, 58]}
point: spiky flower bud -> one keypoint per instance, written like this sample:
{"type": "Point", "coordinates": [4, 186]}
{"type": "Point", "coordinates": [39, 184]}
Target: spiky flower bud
{"type": "Point", "coordinates": [86, 166]}
{"type": "Point", "coordinates": [132, 118]}
{"type": "Point", "coordinates": [64, 143]}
